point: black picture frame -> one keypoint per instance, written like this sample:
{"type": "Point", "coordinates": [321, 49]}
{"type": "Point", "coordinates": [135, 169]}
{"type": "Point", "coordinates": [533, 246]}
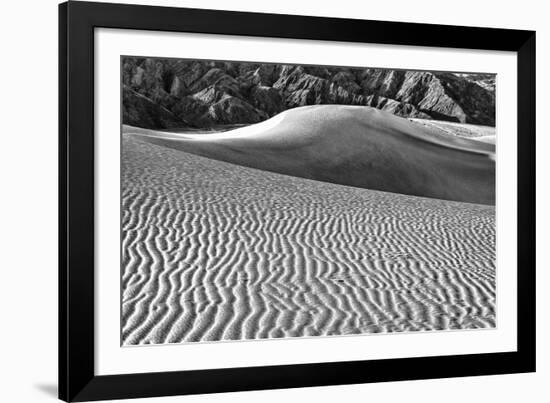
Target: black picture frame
{"type": "Point", "coordinates": [77, 379]}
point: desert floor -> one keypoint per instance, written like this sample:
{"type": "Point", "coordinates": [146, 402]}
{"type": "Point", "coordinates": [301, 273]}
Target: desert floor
{"type": "Point", "coordinates": [212, 250]}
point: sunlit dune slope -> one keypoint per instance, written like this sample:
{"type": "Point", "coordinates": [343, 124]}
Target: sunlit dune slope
{"type": "Point", "coordinates": [352, 145]}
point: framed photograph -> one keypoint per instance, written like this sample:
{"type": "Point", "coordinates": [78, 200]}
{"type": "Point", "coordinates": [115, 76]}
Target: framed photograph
{"type": "Point", "coordinates": [257, 201]}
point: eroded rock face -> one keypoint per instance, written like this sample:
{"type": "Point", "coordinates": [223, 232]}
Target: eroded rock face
{"type": "Point", "coordinates": [209, 93]}
{"type": "Point", "coordinates": [267, 99]}
{"type": "Point", "coordinates": [138, 110]}
{"type": "Point", "coordinates": [231, 110]}
{"type": "Point", "coordinates": [443, 96]}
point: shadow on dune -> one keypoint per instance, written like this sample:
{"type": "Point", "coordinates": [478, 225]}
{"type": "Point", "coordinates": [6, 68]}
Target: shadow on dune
{"type": "Point", "coordinates": [351, 145]}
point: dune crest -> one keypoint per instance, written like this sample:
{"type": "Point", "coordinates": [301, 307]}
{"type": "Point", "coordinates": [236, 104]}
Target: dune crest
{"type": "Point", "coordinates": [352, 145]}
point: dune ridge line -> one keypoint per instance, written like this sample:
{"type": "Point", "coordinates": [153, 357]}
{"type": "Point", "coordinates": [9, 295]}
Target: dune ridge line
{"type": "Point", "coordinates": [352, 145]}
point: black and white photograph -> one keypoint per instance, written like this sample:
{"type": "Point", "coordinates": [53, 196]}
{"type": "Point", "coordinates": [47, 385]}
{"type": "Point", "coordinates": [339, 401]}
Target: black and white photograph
{"type": "Point", "coordinates": [266, 201]}
{"type": "Point", "coordinates": [289, 201]}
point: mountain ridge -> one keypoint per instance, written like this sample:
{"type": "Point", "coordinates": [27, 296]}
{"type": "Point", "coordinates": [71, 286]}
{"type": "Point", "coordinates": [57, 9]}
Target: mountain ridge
{"type": "Point", "coordinates": [171, 93]}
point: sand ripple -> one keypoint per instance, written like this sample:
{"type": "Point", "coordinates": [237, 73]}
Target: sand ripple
{"type": "Point", "coordinates": [216, 251]}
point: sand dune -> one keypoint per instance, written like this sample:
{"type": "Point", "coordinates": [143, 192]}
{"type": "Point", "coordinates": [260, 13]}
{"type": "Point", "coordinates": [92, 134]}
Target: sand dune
{"type": "Point", "coordinates": [217, 251]}
{"type": "Point", "coordinates": [487, 139]}
{"type": "Point", "coordinates": [357, 146]}
{"type": "Point", "coordinates": [467, 130]}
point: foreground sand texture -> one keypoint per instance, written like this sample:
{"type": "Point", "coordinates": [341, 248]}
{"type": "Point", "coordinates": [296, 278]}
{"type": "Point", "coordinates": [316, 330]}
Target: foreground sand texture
{"type": "Point", "coordinates": [216, 251]}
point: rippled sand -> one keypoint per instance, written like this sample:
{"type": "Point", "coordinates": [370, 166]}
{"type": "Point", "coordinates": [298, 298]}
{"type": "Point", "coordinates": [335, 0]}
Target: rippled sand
{"type": "Point", "coordinates": [216, 251]}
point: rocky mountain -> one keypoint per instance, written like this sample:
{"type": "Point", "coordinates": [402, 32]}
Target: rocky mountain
{"type": "Point", "coordinates": [169, 93]}
{"type": "Point", "coordinates": [485, 80]}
